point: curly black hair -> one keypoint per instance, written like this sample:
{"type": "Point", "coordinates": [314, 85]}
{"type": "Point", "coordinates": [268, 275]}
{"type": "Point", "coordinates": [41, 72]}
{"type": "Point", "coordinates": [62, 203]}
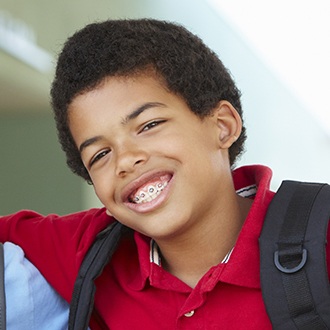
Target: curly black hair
{"type": "Point", "coordinates": [129, 47]}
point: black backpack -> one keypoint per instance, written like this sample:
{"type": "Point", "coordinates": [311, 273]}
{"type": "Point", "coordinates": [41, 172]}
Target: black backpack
{"type": "Point", "coordinates": [293, 269]}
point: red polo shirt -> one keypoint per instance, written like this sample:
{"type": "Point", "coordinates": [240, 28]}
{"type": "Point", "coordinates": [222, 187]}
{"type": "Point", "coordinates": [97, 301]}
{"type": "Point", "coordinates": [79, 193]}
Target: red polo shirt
{"type": "Point", "coordinates": [134, 291]}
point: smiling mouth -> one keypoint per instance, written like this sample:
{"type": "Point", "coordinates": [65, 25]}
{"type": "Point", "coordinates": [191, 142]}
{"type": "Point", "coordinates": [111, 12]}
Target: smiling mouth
{"type": "Point", "coordinates": [150, 191]}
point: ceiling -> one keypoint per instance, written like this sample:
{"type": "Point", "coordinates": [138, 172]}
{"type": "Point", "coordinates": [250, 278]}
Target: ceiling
{"type": "Point", "coordinates": [45, 25]}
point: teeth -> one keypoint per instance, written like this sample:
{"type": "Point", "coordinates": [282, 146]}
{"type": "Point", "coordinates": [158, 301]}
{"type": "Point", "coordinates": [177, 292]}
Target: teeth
{"type": "Point", "coordinates": [150, 194]}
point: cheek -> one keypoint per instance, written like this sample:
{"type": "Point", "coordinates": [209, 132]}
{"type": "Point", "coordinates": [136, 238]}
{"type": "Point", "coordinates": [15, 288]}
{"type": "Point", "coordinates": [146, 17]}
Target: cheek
{"type": "Point", "coordinates": [176, 142]}
{"type": "Point", "coordinates": [196, 147]}
{"type": "Point", "coordinates": [103, 190]}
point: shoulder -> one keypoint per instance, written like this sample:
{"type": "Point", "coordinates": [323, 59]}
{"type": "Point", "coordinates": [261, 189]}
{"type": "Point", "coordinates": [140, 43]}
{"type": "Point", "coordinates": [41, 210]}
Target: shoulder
{"type": "Point", "coordinates": [29, 215]}
{"type": "Point", "coordinates": [55, 244]}
{"type": "Point", "coordinates": [25, 223]}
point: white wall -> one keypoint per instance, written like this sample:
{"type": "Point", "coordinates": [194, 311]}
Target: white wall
{"type": "Point", "coordinates": [286, 87]}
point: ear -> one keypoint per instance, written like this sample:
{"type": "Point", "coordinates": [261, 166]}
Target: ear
{"type": "Point", "coordinates": [229, 123]}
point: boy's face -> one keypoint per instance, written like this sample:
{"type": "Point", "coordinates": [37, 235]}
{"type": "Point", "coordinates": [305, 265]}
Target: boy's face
{"type": "Point", "coordinates": [155, 165]}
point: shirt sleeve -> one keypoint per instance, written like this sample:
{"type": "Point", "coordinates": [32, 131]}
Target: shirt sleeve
{"type": "Point", "coordinates": [56, 245]}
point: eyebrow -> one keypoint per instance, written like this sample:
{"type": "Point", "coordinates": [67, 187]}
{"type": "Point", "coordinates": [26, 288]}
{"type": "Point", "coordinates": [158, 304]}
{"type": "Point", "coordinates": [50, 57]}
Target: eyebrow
{"type": "Point", "coordinates": [134, 114]}
{"type": "Point", "coordinates": [141, 109]}
{"type": "Point", "coordinates": [89, 142]}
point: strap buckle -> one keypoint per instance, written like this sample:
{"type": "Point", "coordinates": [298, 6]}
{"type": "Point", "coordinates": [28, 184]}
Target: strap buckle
{"type": "Point", "coordinates": [287, 270]}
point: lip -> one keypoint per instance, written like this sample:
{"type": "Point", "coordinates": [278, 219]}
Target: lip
{"type": "Point", "coordinates": [140, 181]}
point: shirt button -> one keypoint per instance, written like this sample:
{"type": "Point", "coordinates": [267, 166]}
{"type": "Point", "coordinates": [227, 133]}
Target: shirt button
{"type": "Point", "coordinates": [189, 314]}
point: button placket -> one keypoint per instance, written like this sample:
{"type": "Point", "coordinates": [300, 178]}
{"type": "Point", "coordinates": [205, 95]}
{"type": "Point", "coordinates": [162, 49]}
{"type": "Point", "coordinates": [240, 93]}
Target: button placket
{"type": "Point", "coordinates": [189, 314]}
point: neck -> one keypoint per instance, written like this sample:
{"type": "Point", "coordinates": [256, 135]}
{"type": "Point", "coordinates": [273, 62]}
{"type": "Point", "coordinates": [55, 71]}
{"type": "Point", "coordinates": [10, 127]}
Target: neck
{"type": "Point", "coordinates": [191, 255]}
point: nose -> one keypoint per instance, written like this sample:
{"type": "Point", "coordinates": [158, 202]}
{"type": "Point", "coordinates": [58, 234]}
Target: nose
{"type": "Point", "coordinates": [129, 157]}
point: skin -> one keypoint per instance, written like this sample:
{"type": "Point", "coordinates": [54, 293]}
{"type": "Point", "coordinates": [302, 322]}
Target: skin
{"type": "Point", "coordinates": [132, 131]}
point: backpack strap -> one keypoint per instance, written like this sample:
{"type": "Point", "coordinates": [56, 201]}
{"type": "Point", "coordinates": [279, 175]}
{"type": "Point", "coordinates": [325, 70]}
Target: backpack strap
{"type": "Point", "coordinates": [2, 290]}
{"type": "Point", "coordinates": [97, 257]}
{"type": "Point", "coordinates": [293, 270]}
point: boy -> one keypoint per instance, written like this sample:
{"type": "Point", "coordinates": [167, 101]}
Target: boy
{"type": "Point", "coordinates": [150, 116]}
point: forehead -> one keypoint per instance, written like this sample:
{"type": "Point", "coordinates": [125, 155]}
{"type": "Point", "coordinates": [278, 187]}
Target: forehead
{"type": "Point", "coordinates": [115, 93]}
{"type": "Point", "coordinates": [115, 98]}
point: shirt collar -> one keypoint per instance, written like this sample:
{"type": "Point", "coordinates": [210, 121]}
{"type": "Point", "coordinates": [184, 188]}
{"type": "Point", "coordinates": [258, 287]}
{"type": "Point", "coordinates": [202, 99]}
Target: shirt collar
{"type": "Point", "coordinates": [242, 268]}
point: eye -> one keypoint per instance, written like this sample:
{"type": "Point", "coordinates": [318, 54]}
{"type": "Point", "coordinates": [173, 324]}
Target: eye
{"type": "Point", "coordinates": [98, 156]}
{"type": "Point", "coordinates": [151, 125]}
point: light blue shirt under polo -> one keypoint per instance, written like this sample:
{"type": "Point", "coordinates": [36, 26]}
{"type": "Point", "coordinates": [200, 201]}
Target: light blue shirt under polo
{"type": "Point", "coordinates": [31, 303]}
